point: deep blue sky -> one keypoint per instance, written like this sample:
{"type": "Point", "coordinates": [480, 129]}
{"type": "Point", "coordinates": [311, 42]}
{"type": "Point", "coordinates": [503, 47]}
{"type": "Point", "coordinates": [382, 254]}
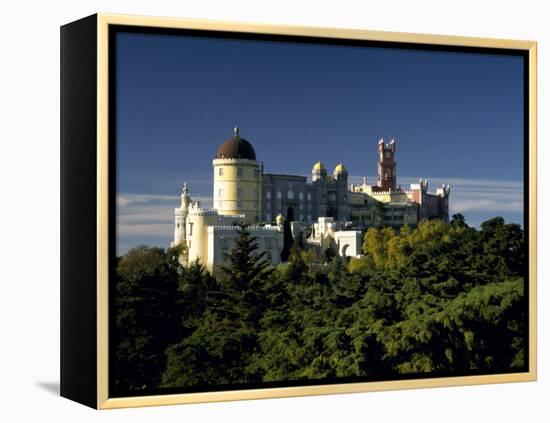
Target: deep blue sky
{"type": "Point", "coordinates": [453, 115]}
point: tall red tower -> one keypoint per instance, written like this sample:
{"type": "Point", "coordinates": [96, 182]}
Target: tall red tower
{"type": "Point", "coordinates": [387, 178]}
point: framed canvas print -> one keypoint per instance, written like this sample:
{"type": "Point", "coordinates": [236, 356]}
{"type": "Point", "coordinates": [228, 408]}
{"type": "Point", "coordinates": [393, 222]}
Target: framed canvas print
{"type": "Point", "coordinates": [254, 211]}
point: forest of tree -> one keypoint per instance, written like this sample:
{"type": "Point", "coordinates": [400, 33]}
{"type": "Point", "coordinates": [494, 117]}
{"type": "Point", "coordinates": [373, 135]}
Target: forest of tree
{"type": "Point", "coordinates": [436, 299]}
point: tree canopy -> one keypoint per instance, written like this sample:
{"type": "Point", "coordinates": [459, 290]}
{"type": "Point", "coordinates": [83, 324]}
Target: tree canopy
{"type": "Point", "coordinates": [437, 298]}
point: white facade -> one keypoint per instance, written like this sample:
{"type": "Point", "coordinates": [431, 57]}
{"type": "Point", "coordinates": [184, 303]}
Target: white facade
{"type": "Point", "coordinates": [349, 243]}
{"type": "Point", "coordinates": [330, 234]}
{"type": "Point", "coordinates": [208, 235]}
{"type": "Point", "coordinates": [222, 239]}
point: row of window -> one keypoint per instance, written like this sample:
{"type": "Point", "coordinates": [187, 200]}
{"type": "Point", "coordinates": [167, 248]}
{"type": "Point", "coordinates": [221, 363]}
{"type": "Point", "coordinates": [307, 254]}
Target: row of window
{"type": "Point", "coordinates": [240, 172]}
{"type": "Point", "coordinates": [280, 206]}
{"type": "Point", "coordinates": [289, 194]}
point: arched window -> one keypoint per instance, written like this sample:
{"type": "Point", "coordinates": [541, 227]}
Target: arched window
{"type": "Point", "coordinates": [290, 195]}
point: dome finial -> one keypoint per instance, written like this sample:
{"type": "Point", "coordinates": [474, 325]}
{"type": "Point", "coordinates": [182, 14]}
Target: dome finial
{"type": "Point", "coordinates": [236, 131]}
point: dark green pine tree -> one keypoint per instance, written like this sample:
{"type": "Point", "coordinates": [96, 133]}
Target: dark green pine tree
{"type": "Point", "coordinates": [219, 351]}
{"type": "Point", "coordinates": [245, 267]}
{"type": "Point", "coordinates": [244, 276]}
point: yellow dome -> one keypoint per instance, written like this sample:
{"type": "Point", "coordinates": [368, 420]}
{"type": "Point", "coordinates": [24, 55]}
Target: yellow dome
{"type": "Point", "coordinates": [319, 166]}
{"type": "Point", "coordinates": [340, 168]}
{"type": "Point", "coordinates": [280, 219]}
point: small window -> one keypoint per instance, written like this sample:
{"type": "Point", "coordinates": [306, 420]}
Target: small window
{"type": "Point", "coordinates": [269, 243]}
{"type": "Point", "coordinates": [239, 171]}
{"type": "Point", "coordinates": [225, 244]}
{"type": "Point", "coordinates": [239, 193]}
{"type": "Point", "coordinates": [309, 196]}
{"type": "Point", "coordinates": [279, 195]}
{"type": "Point", "coordinates": [301, 216]}
{"type": "Point", "coordinates": [290, 195]}
{"type": "Point", "coordinates": [220, 171]}
{"type": "Point", "coordinates": [268, 195]}
{"type": "Point", "coordinates": [239, 204]}
{"type": "Point", "coordinates": [220, 192]}
{"type": "Point", "coordinates": [268, 217]}
{"type": "Point", "coordinates": [269, 257]}
{"type": "Point", "coordinates": [301, 196]}
{"type": "Point", "coordinates": [190, 229]}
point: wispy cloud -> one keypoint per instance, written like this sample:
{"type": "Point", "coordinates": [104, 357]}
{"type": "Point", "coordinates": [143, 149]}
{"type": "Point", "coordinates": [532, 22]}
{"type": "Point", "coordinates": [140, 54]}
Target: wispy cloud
{"type": "Point", "coordinates": [124, 200]}
{"type": "Point", "coordinates": [148, 214]}
{"type": "Point", "coordinates": [472, 195]}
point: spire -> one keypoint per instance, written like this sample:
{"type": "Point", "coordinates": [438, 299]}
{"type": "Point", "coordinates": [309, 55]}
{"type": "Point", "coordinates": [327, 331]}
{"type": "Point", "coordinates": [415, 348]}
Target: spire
{"type": "Point", "coordinates": [185, 196]}
{"type": "Point", "coordinates": [236, 131]}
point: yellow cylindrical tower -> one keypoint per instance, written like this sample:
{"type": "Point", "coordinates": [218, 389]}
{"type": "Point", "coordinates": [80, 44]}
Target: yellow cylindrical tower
{"type": "Point", "coordinates": [238, 179]}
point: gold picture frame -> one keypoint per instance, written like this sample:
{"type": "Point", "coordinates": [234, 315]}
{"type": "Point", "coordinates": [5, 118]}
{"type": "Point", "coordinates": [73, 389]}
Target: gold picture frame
{"type": "Point", "coordinates": [102, 22]}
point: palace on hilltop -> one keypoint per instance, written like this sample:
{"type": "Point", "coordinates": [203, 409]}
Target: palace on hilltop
{"type": "Point", "coordinates": [322, 213]}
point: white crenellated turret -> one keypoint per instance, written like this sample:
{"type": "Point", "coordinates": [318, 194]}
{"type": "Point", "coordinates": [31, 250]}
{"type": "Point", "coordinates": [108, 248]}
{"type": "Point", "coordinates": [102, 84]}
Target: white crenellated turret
{"type": "Point", "coordinates": [180, 216]}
